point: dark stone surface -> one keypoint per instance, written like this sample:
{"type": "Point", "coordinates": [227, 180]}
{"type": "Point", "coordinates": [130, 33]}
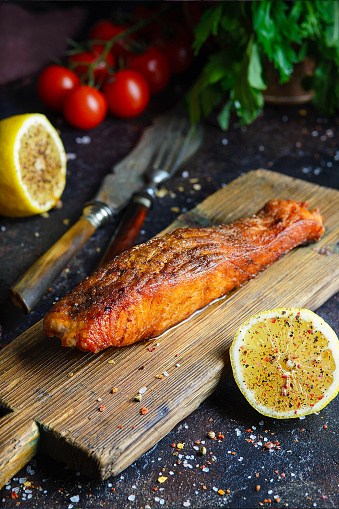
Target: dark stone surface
{"type": "Point", "coordinates": [295, 141]}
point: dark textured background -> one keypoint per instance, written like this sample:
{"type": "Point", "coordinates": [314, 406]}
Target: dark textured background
{"type": "Point", "coordinates": [296, 141]}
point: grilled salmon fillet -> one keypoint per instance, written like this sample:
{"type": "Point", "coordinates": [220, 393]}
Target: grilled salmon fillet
{"type": "Point", "coordinates": [156, 285]}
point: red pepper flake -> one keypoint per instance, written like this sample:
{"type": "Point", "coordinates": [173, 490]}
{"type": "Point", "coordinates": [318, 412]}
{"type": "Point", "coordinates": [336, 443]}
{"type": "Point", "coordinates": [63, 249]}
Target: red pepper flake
{"type": "Point", "coordinates": [120, 426]}
{"type": "Point", "coordinates": [277, 500]}
{"type": "Point", "coordinates": [155, 488]}
{"type": "Point", "coordinates": [151, 348]}
{"type": "Point", "coordinates": [267, 500]}
{"type": "Point", "coordinates": [228, 491]}
{"type": "Point", "coordinates": [257, 488]}
{"type": "Point", "coordinates": [325, 427]}
{"type": "Point", "coordinates": [144, 410]}
{"type": "Point", "coordinates": [113, 489]}
{"type": "Point", "coordinates": [220, 436]}
{"type": "Point", "coordinates": [248, 430]}
{"type": "Point", "coordinates": [257, 474]}
{"type": "Point", "coordinates": [221, 492]}
{"type": "Point", "coordinates": [204, 487]}
{"type": "Point", "coordinates": [268, 445]}
{"type": "Point", "coordinates": [282, 474]}
{"type": "Point", "coordinates": [172, 445]}
{"type": "Point", "coordinates": [14, 495]}
{"type": "Point", "coordinates": [102, 408]}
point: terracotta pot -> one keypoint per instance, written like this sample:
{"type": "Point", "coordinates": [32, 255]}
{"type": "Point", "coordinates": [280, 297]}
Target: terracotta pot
{"type": "Point", "coordinates": [291, 92]}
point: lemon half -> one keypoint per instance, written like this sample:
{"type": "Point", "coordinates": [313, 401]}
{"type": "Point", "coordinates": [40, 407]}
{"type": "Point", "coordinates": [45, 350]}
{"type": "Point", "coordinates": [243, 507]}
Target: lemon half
{"type": "Point", "coordinates": [32, 165]}
{"type": "Point", "coordinates": [286, 362]}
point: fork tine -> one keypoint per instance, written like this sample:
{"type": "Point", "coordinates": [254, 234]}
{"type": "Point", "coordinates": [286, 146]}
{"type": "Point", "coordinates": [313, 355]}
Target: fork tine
{"type": "Point", "coordinates": [172, 131]}
{"type": "Point", "coordinates": [173, 143]}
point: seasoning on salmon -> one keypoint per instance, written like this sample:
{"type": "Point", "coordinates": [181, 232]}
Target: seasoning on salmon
{"type": "Point", "coordinates": [155, 285]}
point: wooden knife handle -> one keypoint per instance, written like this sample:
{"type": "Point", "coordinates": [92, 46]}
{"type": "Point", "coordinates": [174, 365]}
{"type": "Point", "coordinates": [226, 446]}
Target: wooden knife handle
{"type": "Point", "coordinates": [30, 287]}
{"type": "Point", "coordinates": [19, 439]}
{"type": "Point", "coordinates": [129, 227]}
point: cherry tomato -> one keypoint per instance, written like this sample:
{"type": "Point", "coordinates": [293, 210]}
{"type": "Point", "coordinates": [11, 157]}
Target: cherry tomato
{"type": "Point", "coordinates": [80, 62]}
{"type": "Point", "coordinates": [54, 83]}
{"type": "Point", "coordinates": [85, 107]}
{"type": "Point", "coordinates": [176, 43]}
{"type": "Point", "coordinates": [105, 30]}
{"type": "Point", "coordinates": [153, 65]}
{"type": "Point", "coordinates": [179, 53]}
{"type": "Point", "coordinates": [127, 93]}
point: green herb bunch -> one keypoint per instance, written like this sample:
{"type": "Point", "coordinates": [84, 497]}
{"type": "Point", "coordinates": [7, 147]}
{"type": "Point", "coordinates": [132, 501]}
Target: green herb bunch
{"type": "Point", "coordinates": [245, 36]}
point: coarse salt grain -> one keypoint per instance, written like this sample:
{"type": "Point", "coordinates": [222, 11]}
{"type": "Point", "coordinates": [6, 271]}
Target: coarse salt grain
{"type": "Point", "coordinates": [75, 499]}
{"type": "Point", "coordinates": [83, 140]}
{"type": "Point", "coordinates": [142, 390]}
{"type": "Point", "coordinates": [131, 498]}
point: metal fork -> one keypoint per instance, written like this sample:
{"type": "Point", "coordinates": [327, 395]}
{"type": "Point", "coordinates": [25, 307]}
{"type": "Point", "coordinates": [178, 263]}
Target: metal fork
{"type": "Point", "coordinates": [179, 138]}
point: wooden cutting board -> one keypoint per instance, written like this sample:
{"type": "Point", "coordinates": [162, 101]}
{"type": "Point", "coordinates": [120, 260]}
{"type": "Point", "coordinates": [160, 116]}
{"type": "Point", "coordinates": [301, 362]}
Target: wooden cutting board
{"type": "Point", "coordinates": [54, 394]}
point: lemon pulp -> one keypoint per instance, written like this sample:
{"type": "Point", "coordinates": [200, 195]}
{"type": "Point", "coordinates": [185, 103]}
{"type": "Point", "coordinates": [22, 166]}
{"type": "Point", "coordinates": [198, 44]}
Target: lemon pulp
{"type": "Point", "coordinates": [32, 165]}
{"type": "Point", "coordinates": [285, 362]}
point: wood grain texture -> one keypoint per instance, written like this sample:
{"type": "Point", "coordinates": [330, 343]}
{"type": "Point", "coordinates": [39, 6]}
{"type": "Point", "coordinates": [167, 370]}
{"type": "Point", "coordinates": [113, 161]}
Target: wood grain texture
{"type": "Point", "coordinates": [58, 388]}
{"type": "Point", "coordinates": [19, 442]}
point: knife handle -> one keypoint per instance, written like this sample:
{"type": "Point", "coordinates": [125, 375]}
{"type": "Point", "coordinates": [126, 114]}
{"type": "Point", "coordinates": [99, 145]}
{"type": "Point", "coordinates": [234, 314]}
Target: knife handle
{"type": "Point", "coordinates": [129, 227]}
{"type": "Point", "coordinates": [29, 288]}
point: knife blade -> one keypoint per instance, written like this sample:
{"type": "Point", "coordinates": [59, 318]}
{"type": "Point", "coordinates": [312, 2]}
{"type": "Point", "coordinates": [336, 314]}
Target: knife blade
{"type": "Point", "coordinates": [113, 195]}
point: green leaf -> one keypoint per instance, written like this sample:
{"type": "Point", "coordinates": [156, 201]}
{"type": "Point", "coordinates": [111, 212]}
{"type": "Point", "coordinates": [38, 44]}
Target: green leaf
{"type": "Point", "coordinates": [224, 115]}
{"type": "Point", "coordinates": [210, 97]}
{"type": "Point", "coordinates": [332, 31]}
{"type": "Point", "coordinates": [255, 69]}
{"type": "Point", "coordinates": [208, 25]}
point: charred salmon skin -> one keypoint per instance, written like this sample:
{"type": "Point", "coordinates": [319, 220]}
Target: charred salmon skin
{"type": "Point", "coordinates": [156, 285]}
